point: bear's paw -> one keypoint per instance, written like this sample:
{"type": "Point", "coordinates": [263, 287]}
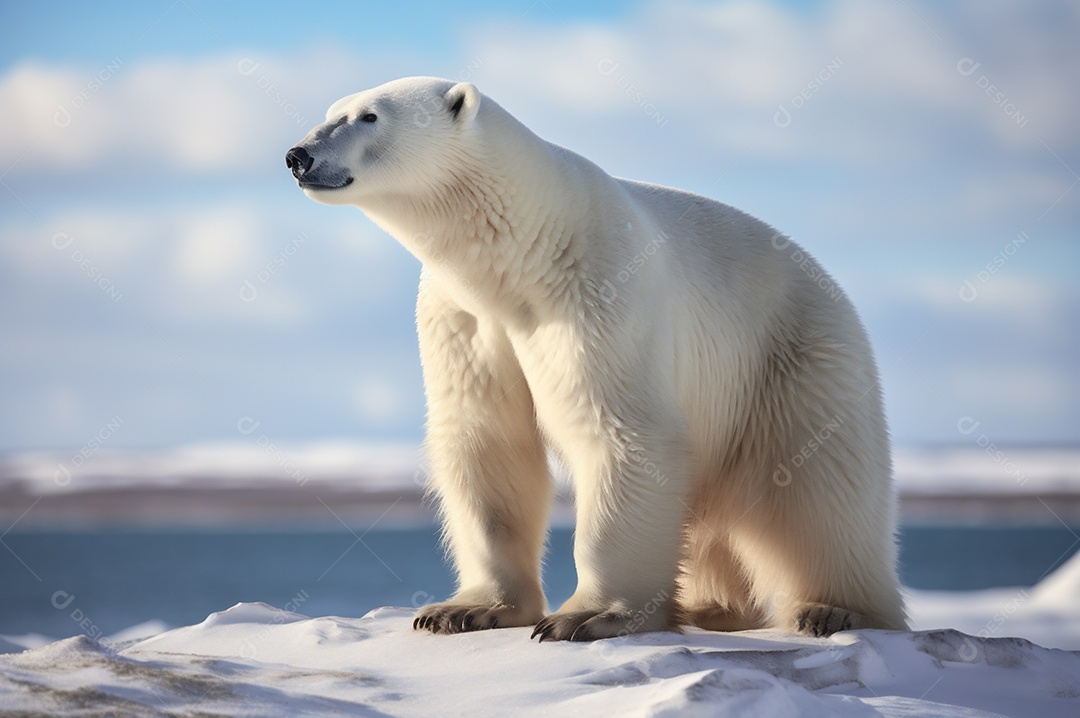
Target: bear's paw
{"type": "Point", "coordinates": [593, 625]}
{"type": "Point", "coordinates": [822, 620]}
{"type": "Point", "coordinates": [458, 618]}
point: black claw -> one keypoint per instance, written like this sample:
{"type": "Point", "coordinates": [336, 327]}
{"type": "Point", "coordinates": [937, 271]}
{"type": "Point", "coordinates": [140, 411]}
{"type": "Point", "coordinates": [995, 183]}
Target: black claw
{"type": "Point", "coordinates": [449, 620]}
{"type": "Point", "coordinates": [543, 629]}
{"type": "Point", "coordinates": [458, 621]}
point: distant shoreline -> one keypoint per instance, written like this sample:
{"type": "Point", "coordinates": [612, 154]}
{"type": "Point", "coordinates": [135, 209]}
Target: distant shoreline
{"type": "Point", "coordinates": [333, 507]}
{"type": "Point", "coordinates": [332, 485]}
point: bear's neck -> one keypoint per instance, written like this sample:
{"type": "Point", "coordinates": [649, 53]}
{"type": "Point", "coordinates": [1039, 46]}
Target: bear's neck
{"type": "Point", "coordinates": [508, 230]}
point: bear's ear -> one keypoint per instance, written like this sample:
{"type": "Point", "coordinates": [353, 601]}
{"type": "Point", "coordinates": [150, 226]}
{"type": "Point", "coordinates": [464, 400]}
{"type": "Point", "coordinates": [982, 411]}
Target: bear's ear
{"type": "Point", "coordinates": [462, 101]}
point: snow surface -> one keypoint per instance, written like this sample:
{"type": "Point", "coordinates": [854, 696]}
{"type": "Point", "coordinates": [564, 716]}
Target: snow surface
{"type": "Point", "coordinates": [256, 660]}
{"type": "Point", "coordinates": [1048, 614]}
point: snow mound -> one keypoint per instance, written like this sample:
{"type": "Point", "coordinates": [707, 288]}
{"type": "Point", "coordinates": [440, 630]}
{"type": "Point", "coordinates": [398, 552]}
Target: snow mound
{"type": "Point", "coordinates": [1046, 613]}
{"type": "Point", "coordinates": [253, 660]}
{"type": "Point", "coordinates": [1062, 587]}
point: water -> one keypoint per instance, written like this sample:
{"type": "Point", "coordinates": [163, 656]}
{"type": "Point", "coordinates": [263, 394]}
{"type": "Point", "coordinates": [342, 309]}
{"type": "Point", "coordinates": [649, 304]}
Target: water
{"type": "Point", "coordinates": [62, 584]}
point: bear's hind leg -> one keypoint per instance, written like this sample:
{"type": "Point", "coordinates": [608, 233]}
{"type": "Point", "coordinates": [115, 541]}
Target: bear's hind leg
{"type": "Point", "coordinates": [817, 575]}
{"type": "Point", "coordinates": [714, 591]}
{"type": "Point", "coordinates": [721, 618]}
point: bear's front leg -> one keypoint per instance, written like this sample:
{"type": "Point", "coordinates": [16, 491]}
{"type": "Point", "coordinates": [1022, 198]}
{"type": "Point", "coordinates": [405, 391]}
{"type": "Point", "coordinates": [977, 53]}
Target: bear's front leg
{"type": "Point", "coordinates": [488, 469]}
{"type": "Point", "coordinates": [627, 543]}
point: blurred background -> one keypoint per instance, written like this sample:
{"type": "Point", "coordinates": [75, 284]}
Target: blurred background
{"type": "Point", "coordinates": [191, 348]}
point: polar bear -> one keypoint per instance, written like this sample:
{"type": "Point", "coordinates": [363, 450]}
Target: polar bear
{"type": "Point", "coordinates": [711, 391]}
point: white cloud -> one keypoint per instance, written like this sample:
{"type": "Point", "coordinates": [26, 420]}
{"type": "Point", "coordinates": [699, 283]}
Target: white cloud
{"type": "Point", "coordinates": [1027, 299]}
{"type": "Point", "coordinates": [1021, 190]}
{"type": "Point", "coordinates": [217, 114]}
{"type": "Point", "coordinates": [194, 115]}
{"type": "Point", "coordinates": [858, 82]}
{"type": "Point", "coordinates": [113, 240]}
{"type": "Point", "coordinates": [186, 263]}
{"type": "Point", "coordinates": [216, 245]}
{"type": "Point", "coordinates": [861, 81]}
{"type": "Point", "coordinates": [38, 123]}
{"type": "Point", "coordinates": [379, 401]}
{"type": "Point", "coordinates": [1023, 390]}
{"type": "Point", "coordinates": [853, 82]}
{"type": "Point", "coordinates": [916, 161]}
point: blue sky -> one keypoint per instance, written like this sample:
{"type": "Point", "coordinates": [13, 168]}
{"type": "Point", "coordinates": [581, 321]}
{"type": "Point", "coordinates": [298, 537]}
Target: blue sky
{"type": "Point", "coordinates": [927, 154]}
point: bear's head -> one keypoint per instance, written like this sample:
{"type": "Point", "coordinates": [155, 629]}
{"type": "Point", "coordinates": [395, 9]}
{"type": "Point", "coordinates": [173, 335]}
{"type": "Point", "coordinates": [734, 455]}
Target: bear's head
{"type": "Point", "coordinates": [400, 138]}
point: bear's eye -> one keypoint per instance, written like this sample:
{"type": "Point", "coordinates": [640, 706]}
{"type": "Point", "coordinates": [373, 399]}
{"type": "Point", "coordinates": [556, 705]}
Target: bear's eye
{"type": "Point", "coordinates": [369, 117]}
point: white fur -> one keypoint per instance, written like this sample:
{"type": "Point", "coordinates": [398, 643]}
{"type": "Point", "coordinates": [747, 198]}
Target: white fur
{"type": "Point", "coordinates": [711, 391]}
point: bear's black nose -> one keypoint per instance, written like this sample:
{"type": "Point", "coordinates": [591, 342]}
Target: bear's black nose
{"type": "Point", "coordinates": [299, 161]}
